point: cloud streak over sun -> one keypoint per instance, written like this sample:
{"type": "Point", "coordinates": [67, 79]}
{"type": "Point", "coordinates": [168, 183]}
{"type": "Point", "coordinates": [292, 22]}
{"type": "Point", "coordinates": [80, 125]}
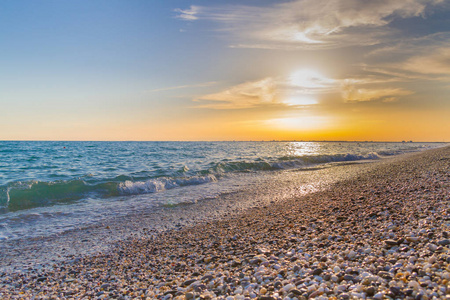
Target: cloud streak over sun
{"type": "Point", "coordinates": [304, 87]}
{"type": "Point", "coordinates": [299, 89]}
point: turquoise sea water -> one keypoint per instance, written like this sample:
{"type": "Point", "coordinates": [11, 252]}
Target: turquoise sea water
{"type": "Point", "coordinates": [56, 186]}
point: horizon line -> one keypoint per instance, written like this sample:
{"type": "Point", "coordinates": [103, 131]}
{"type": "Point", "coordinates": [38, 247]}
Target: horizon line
{"type": "Point", "coordinates": [197, 141]}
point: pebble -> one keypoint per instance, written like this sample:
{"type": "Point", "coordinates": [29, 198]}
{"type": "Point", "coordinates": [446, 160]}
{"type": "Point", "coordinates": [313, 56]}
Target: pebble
{"type": "Point", "coordinates": [390, 243]}
{"type": "Point", "coordinates": [443, 242]}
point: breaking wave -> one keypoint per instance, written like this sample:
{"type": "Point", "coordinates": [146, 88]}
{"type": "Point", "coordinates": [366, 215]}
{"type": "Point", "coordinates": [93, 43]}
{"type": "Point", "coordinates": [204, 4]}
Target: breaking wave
{"type": "Point", "coordinates": [23, 195]}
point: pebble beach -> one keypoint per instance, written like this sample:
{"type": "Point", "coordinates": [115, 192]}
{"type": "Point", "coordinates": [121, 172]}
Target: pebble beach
{"type": "Point", "coordinates": [380, 234]}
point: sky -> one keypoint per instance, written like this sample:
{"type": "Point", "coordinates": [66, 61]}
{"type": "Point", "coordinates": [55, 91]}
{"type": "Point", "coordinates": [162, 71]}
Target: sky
{"type": "Point", "coordinates": [358, 70]}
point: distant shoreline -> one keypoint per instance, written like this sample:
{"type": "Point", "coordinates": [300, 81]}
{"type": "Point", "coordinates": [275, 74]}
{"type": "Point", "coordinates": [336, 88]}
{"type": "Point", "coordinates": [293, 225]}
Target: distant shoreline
{"type": "Point", "coordinates": [229, 141]}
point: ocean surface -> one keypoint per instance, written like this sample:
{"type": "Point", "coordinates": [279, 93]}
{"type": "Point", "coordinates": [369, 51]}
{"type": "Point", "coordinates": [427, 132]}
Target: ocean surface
{"type": "Point", "coordinates": [47, 188]}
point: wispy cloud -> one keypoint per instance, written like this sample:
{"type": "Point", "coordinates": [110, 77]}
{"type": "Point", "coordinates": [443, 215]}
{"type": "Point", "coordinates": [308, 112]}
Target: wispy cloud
{"type": "Point", "coordinates": [424, 58]}
{"type": "Point", "coordinates": [310, 23]}
{"type": "Point", "coordinates": [355, 92]}
{"type": "Point", "coordinates": [437, 62]}
{"type": "Point", "coordinates": [189, 14]}
{"type": "Point", "coordinates": [245, 95]}
{"type": "Point", "coordinates": [187, 86]}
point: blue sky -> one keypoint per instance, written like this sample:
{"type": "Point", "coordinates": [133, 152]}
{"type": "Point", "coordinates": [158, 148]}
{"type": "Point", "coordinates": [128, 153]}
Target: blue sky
{"type": "Point", "coordinates": [221, 70]}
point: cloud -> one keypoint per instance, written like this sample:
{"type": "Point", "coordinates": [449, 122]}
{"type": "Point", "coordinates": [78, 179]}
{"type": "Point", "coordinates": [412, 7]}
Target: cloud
{"type": "Point", "coordinates": [424, 58]}
{"type": "Point", "coordinates": [245, 95]}
{"type": "Point", "coordinates": [303, 88]}
{"type": "Point", "coordinates": [437, 62]}
{"type": "Point", "coordinates": [186, 86]}
{"type": "Point", "coordinates": [354, 92]}
{"type": "Point", "coordinates": [310, 23]}
{"type": "Point", "coordinates": [188, 14]}
{"type": "Point", "coordinates": [299, 89]}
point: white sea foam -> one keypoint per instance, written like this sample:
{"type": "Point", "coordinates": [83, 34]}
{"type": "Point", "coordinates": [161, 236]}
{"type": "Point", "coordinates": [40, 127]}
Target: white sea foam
{"type": "Point", "coordinates": [161, 184]}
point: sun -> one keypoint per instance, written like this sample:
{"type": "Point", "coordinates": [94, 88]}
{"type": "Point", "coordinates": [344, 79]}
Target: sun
{"type": "Point", "coordinates": [305, 87]}
{"type": "Point", "coordinates": [309, 79]}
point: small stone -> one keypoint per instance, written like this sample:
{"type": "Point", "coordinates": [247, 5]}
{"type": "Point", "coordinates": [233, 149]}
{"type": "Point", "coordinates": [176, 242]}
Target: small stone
{"type": "Point", "coordinates": [414, 284]}
{"type": "Point", "coordinates": [395, 290]}
{"type": "Point", "coordinates": [412, 239]}
{"type": "Point", "coordinates": [349, 278]}
{"type": "Point", "coordinates": [444, 242]}
{"type": "Point", "coordinates": [288, 287]}
{"type": "Point", "coordinates": [235, 263]}
{"type": "Point", "coordinates": [172, 292]}
{"type": "Point", "coordinates": [207, 278]}
{"type": "Point", "coordinates": [351, 255]}
{"type": "Point", "coordinates": [317, 271]}
{"type": "Point", "coordinates": [370, 291]}
{"type": "Point", "coordinates": [385, 275]}
{"type": "Point", "coordinates": [188, 296]}
{"type": "Point", "coordinates": [199, 288]}
{"type": "Point", "coordinates": [391, 243]}
{"type": "Point", "coordinates": [432, 247]}
{"type": "Point", "coordinates": [317, 293]}
{"type": "Point", "coordinates": [188, 282]}
{"type": "Point", "coordinates": [378, 296]}
{"type": "Point", "coordinates": [262, 291]}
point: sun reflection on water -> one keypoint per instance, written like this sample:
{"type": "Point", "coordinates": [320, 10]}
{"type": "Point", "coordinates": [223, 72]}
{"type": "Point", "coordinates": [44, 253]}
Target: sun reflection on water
{"type": "Point", "coordinates": [303, 148]}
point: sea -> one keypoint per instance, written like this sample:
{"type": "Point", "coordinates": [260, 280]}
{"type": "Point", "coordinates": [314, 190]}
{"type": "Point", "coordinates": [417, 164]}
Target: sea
{"type": "Point", "coordinates": [48, 188]}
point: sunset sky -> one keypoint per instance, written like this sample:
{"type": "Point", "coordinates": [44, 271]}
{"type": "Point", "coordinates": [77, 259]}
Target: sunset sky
{"type": "Point", "coordinates": [225, 70]}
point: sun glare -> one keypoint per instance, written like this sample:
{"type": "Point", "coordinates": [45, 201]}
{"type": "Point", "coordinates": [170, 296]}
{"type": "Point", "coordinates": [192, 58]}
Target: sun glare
{"type": "Point", "coordinates": [298, 123]}
{"type": "Point", "coordinates": [302, 37]}
{"type": "Point", "coordinates": [310, 79]}
{"type": "Point", "coordinates": [303, 148]}
{"type": "Point", "coordinates": [300, 100]}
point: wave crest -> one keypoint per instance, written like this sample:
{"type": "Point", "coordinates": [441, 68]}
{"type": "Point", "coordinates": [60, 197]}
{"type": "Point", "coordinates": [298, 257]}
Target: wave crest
{"type": "Point", "coordinates": [161, 184]}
